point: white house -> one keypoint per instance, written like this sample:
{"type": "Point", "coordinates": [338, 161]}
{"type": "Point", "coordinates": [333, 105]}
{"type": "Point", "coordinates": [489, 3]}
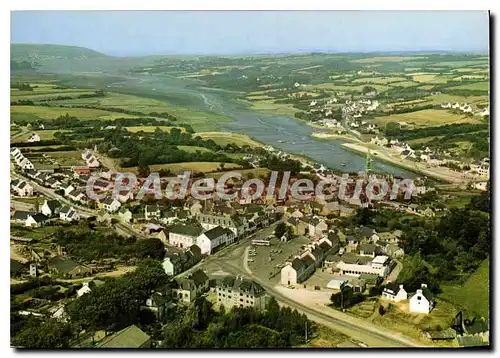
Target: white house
{"type": "Point", "coordinates": [214, 238]}
{"type": "Point", "coordinates": [88, 286]}
{"type": "Point", "coordinates": [152, 212]}
{"type": "Point", "coordinates": [22, 188]}
{"type": "Point", "coordinates": [35, 220]}
{"type": "Point", "coordinates": [394, 292]}
{"type": "Point", "coordinates": [34, 138]}
{"type": "Point", "coordinates": [110, 204]}
{"type": "Point", "coordinates": [67, 213]}
{"type": "Point", "coordinates": [184, 236]}
{"type": "Point", "coordinates": [422, 301]}
{"type": "Point", "coordinates": [68, 188]}
{"type": "Point", "coordinates": [240, 292]}
{"type": "Point", "coordinates": [50, 207]}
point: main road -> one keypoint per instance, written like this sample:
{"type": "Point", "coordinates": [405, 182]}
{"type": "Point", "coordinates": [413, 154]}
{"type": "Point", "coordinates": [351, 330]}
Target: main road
{"type": "Point", "coordinates": [83, 212]}
{"type": "Point", "coordinates": [232, 260]}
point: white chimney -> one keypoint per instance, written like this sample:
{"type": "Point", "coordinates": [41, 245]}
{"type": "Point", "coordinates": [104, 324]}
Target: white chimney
{"type": "Point", "coordinates": [424, 285]}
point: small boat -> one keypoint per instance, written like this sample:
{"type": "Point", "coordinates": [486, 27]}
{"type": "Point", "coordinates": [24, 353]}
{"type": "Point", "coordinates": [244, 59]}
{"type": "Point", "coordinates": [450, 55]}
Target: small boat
{"type": "Point", "coordinates": [281, 141]}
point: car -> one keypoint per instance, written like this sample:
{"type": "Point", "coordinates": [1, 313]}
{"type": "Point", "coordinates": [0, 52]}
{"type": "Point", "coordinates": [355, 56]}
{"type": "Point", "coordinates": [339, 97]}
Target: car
{"type": "Point", "coordinates": [250, 260]}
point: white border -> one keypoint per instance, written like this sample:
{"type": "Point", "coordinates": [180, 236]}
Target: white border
{"type": "Point", "coordinates": [201, 5]}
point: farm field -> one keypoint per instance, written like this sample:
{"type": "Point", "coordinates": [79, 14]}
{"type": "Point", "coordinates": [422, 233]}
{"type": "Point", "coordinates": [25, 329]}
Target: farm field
{"type": "Point", "coordinates": [224, 139]}
{"type": "Point", "coordinates": [473, 295]}
{"type": "Point", "coordinates": [44, 135]}
{"type": "Point", "coordinates": [42, 112]}
{"type": "Point", "coordinates": [152, 129]}
{"type": "Point", "coordinates": [203, 167]}
{"type": "Point", "coordinates": [427, 117]}
{"type": "Point", "coordinates": [478, 86]}
{"type": "Point", "coordinates": [67, 158]}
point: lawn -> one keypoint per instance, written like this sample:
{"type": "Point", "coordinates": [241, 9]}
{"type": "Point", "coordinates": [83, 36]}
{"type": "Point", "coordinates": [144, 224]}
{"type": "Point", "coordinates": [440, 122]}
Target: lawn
{"type": "Point", "coordinates": [269, 106]}
{"type": "Point", "coordinates": [477, 86]}
{"type": "Point", "coordinates": [473, 295]}
{"type": "Point", "coordinates": [379, 80]}
{"type": "Point", "coordinates": [423, 77]}
{"type": "Point", "coordinates": [344, 88]}
{"type": "Point", "coordinates": [387, 59]}
{"type": "Point", "coordinates": [44, 135]}
{"type": "Point", "coordinates": [427, 117]}
{"type": "Point", "coordinates": [193, 149]}
{"type": "Point", "coordinates": [224, 139]}
{"type": "Point", "coordinates": [204, 167]}
{"type": "Point", "coordinates": [67, 158]}
{"type": "Point", "coordinates": [41, 112]}
{"type": "Point", "coordinates": [151, 129]}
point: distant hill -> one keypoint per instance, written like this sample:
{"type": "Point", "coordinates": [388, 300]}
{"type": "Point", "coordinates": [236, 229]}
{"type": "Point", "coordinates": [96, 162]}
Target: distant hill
{"type": "Point", "coordinates": [43, 52]}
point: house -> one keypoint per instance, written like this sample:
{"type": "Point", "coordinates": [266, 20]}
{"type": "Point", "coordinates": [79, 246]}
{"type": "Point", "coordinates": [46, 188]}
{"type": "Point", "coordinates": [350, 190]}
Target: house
{"type": "Point", "coordinates": [103, 217]}
{"type": "Point", "coordinates": [422, 301]}
{"type": "Point", "coordinates": [184, 236]}
{"type": "Point", "coordinates": [214, 238]}
{"type": "Point", "coordinates": [354, 265]}
{"type": "Point", "coordinates": [195, 209]}
{"type": "Point", "coordinates": [88, 286]}
{"type": "Point", "coordinates": [173, 264]}
{"type": "Point", "coordinates": [50, 207]}
{"type": "Point", "coordinates": [130, 337]}
{"type": "Point", "coordinates": [22, 188]}
{"type": "Point", "coordinates": [33, 138]}
{"type": "Point", "coordinates": [125, 215]}
{"type": "Point", "coordinates": [357, 285]}
{"type": "Point", "coordinates": [67, 268]}
{"type": "Point", "coordinates": [331, 207]}
{"type": "Point", "coordinates": [368, 232]}
{"type": "Point", "coordinates": [368, 250]}
{"type": "Point", "coordinates": [35, 220]}
{"type": "Point", "coordinates": [316, 227]}
{"type": "Point", "coordinates": [240, 292]}
{"type": "Point", "coordinates": [236, 224]}
{"type": "Point", "coordinates": [297, 271]}
{"type": "Point", "coordinates": [301, 227]}
{"type": "Point", "coordinates": [20, 216]}
{"type": "Point", "coordinates": [78, 195]}
{"type": "Point", "coordinates": [111, 204]}
{"type": "Point", "coordinates": [158, 304]}
{"type": "Point", "coordinates": [337, 283]}
{"type": "Point", "coordinates": [187, 289]}
{"type": "Point", "coordinates": [68, 188]}
{"type": "Point", "coordinates": [25, 164]}
{"type": "Point", "coordinates": [152, 212]}
{"type": "Point", "coordinates": [394, 292]}
{"type": "Point", "coordinates": [67, 213]}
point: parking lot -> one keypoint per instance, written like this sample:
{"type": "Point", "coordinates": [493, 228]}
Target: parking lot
{"type": "Point", "coordinates": [268, 260]}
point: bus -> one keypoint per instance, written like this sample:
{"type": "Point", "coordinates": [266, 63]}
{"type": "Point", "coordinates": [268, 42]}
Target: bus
{"type": "Point", "coordinates": [261, 242]}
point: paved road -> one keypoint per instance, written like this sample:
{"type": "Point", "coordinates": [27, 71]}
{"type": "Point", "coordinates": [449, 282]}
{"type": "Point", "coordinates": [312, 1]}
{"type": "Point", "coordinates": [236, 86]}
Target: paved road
{"type": "Point", "coordinates": [82, 211]}
{"type": "Point", "coordinates": [233, 261]}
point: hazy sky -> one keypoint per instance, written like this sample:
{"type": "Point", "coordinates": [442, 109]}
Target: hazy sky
{"type": "Point", "coordinates": [192, 32]}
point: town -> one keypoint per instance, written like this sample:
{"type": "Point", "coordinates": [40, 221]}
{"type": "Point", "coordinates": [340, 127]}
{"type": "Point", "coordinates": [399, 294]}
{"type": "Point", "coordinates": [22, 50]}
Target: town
{"type": "Point", "coordinates": [295, 200]}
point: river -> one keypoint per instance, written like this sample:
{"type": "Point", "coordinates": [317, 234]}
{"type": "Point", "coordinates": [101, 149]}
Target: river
{"type": "Point", "coordinates": [281, 132]}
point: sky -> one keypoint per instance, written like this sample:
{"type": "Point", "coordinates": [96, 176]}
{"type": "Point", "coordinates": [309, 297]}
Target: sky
{"type": "Point", "coordinates": [137, 33]}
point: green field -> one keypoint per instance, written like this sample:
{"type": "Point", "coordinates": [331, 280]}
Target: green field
{"type": "Point", "coordinates": [427, 117]}
{"type": "Point", "coordinates": [41, 112]}
{"type": "Point", "coordinates": [67, 158]}
{"type": "Point", "coordinates": [193, 149]}
{"type": "Point", "coordinates": [478, 86]}
{"type": "Point", "coordinates": [203, 167]}
{"type": "Point", "coordinates": [151, 129]}
{"type": "Point", "coordinates": [44, 135]}
{"type": "Point", "coordinates": [224, 139]}
{"type": "Point", "coordinates": [473, 295]}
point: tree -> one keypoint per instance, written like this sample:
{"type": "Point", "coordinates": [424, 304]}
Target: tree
{"type": "Point", "coordinates": [280, 230]}
{"type": "Point", "coordinates": [150, 248]}
{"type": "Point", "coordinates": [47, 334]}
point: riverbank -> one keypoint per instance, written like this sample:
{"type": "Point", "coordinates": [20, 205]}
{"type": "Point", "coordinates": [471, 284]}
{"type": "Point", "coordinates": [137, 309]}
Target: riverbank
{"type": "Point", "coordinates": [438, 173]}
{"type": "Point", "coordinates": [327, 136]}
